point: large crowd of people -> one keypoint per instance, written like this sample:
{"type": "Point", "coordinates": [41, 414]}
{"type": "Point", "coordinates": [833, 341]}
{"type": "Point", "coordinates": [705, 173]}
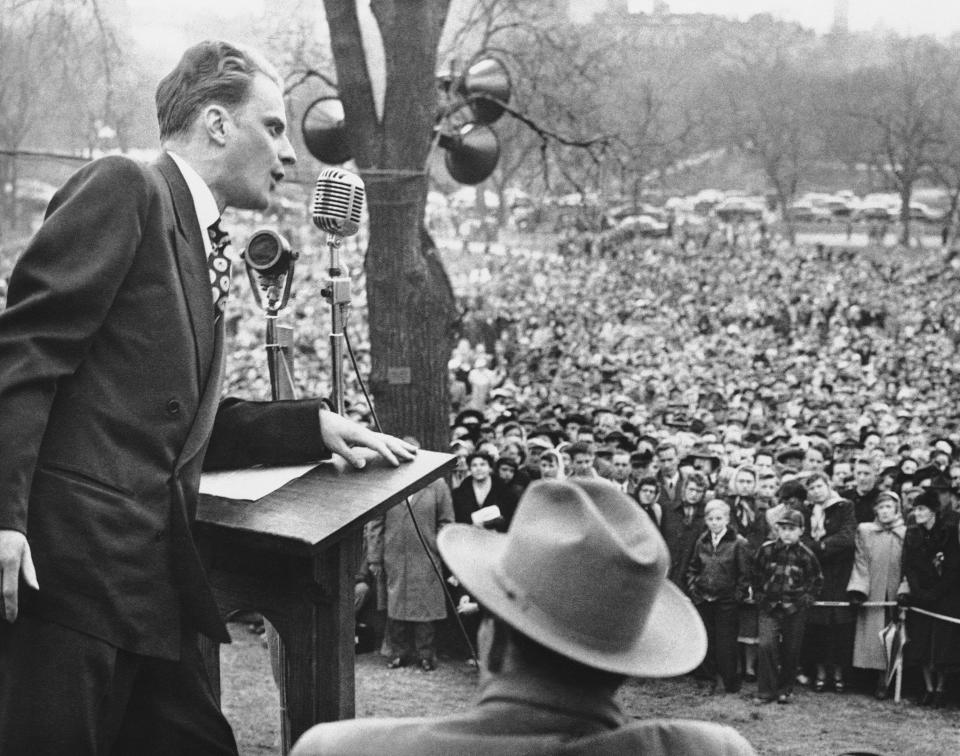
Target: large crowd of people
{"type": "Point", "coordinates": [738, 390]}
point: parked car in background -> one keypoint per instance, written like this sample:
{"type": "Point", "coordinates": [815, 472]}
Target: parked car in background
{"type": "Point", "coordinates": [874, 212]}
{"type": "Point", "coordinates": [919, 211]}
{"type": "Point", "coordinates": [805, 212]}
{"type": "Point", "coordinates": [739, 209]}
{"type": "Point", "coordinates": [644, 225]}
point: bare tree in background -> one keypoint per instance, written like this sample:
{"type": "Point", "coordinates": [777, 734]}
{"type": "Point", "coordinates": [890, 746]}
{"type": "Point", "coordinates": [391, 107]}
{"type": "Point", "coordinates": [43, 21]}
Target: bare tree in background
{"type": "Point", "coordinates": [907, 113]}
{"type": "Point", "coordinates": [767, 107]}
{"type": "Point", "coordinates": [61, 81]}
{"type": "Point", "coordinates": [410, 300]}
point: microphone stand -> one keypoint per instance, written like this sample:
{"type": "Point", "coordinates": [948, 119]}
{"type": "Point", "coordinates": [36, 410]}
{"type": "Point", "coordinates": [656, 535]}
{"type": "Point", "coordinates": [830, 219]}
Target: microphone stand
{"type": "Point", "coordinates": [279, 346]}
{"type": "Point", "coordinates": [337, 293]}
{"type": "Point", "coordinates": [279, 339]}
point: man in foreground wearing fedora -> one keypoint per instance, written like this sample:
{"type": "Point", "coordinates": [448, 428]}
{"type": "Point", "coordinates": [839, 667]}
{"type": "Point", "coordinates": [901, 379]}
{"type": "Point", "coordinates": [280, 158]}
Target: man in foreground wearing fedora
{"type": "Point", "coordinates": [576, 600]}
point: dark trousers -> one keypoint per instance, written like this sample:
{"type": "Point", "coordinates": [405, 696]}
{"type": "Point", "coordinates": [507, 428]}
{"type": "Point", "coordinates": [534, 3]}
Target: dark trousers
{"type": "Point", "coordinates": [65, 692]}
{"type": "Point", "coordinates": [830, 645]}
{"type": "Point", "coordinates": [778, 651]}
{"type": "Point", "coordinates": [411, 640]}
{"type": "Point", "coordinates": [722, 620]}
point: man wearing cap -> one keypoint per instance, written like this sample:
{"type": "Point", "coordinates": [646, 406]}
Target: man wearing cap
{"type": "Point", "coordinates": [786, 581]}
{"type": "Point", "coordinates": [567, 620]}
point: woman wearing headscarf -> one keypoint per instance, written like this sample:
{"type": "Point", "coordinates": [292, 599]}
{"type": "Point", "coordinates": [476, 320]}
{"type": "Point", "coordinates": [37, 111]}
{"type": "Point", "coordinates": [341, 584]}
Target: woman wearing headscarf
{"type": "Point", "coordinates": [931, 572]}
{"type": "Point", "coordinates": [830, 535]}
{"type": "Point", "coordinates": [551, 466]}
{"type": "Point", "coordinates": [876, 577]}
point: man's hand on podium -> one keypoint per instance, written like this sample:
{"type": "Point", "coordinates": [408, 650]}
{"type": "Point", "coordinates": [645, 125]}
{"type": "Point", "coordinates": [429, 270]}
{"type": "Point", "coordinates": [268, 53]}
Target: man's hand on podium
{"type": "Point", "coordinates": [341, 434]}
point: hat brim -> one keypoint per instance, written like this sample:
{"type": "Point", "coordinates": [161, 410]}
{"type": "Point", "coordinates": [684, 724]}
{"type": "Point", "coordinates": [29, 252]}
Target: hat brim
{"type": "Point", "coordinates": [672, 643]}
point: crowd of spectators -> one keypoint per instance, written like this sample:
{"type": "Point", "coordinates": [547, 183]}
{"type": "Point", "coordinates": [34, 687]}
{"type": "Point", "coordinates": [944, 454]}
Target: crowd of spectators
{"type": "Point", "coordinates": [766, 376]}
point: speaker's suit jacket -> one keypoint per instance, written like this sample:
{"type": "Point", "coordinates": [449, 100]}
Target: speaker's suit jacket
{"type": "Point", "coordinates": [110, 372]}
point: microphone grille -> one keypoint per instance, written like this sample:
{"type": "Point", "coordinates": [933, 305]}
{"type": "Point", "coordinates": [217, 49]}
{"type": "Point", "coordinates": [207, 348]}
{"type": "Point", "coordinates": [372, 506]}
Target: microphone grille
{"type": "Point", "coordinates": [338, 202]}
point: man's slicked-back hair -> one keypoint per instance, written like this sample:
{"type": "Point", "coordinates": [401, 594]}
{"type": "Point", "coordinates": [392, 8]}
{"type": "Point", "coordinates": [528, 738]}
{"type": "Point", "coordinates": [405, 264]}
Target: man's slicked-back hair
{"type": "Point", "coordinates": [210, 71]}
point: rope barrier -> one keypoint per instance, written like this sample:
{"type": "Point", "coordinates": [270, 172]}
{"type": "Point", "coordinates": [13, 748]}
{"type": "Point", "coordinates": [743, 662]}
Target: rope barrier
{"type": "Point", "coordinates": [944, 617]}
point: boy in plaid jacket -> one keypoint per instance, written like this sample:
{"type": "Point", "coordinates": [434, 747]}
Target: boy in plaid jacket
{"type": "Point", "coordinates": [786, 581]}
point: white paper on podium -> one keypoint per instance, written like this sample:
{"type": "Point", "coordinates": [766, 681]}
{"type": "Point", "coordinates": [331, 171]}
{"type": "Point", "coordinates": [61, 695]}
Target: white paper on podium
{"type": "Point", "coordinates": [252, 483]}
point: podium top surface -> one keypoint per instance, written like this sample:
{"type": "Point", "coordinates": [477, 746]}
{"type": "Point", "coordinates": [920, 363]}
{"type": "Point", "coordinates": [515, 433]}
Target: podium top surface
{"type": "Point", "coordinates": [311, 512]}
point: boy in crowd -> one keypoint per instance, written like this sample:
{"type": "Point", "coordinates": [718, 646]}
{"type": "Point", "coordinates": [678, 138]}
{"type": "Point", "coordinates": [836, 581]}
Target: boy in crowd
{"type": "Point", "coordinates": [718, 580]}
{"type": "Point", "coordinates": [786, 581]}
{"type": "Point", "coordinates": [582, 458]}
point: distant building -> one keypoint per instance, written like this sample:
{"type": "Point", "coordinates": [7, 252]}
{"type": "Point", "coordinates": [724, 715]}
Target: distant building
{"type": "Point", "coordinates": [841, 17]}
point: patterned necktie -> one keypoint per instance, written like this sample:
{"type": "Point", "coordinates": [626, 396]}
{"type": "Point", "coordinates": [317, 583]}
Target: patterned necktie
{"type": "Point", "coordinates": [219, 266]}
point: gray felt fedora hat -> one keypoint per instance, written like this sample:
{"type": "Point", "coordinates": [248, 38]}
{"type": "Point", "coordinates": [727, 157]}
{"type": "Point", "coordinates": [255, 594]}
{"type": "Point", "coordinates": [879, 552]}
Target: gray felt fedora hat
{"type": "Point", "coordinates": [582, 571]}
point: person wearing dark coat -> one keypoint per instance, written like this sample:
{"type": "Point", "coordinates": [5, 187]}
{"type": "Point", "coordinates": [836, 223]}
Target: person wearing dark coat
{"type": "Point", "coordinates": [718, 580]}
{"type": "Point", "coordinates": [830, 534]}
{"type": "Point", "coordinates": [112, 351]}
{"type": "Point", "coordinates": [748, 517]}
{"type": "Point", "coordinates": [931, 572]}
{"type": "Point", "coordinates": [481, 499]}
{"type": "Point", "coordinates": [668, 475]}
{"type": "Point", "coordinates": [864, 491]}
{"type": "Point", "coordinates": [786, 581]}
{"type": "Point", "coordinates": [681, 524]}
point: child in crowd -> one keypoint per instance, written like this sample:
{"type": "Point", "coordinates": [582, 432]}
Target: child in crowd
{"type": "Point", "coordinates": [786, 581]}
{"type": "Point", "coordinates": [718, 579]}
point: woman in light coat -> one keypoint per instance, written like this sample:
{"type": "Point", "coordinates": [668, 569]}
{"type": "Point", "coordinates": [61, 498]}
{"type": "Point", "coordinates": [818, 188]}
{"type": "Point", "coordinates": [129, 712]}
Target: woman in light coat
{"type": "Point", "coordinates": [876, 577]}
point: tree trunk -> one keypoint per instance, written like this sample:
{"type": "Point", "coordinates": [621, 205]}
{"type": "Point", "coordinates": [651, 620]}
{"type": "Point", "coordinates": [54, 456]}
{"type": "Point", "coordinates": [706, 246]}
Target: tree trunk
{"type": "Point", "coordinates": [906, 192]}
{"type": "Point", "coordinates": [411, 304]}
{"type": "Point", "coordinates": [784, 199]}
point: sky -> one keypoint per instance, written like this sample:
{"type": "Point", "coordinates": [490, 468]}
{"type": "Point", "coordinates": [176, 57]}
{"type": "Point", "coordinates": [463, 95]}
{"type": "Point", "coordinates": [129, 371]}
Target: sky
{"type": "Point", "coordinates": [907, 17]}
{"type": "Point", "coordinates": [165, 27]}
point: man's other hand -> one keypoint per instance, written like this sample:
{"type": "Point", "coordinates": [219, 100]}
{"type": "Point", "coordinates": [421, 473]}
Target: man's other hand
{"type": "Point", "coordinates": [15, 560]}
{"type": "Point", "coordinates": [340, 435]}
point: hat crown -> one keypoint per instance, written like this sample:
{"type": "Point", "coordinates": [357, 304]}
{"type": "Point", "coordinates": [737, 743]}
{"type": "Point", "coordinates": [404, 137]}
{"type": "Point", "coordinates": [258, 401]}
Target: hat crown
{"type": "Point", "coordinates": [791, 517]}
{"type": "Point", "coordinates": [586, 558]}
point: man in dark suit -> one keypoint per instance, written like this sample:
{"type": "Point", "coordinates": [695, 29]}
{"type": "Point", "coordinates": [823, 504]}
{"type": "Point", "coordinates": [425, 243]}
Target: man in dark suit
{"type": "Point", "coordinates": [111, 362]}
{"type": "Point", "coordinates": [668, 474]}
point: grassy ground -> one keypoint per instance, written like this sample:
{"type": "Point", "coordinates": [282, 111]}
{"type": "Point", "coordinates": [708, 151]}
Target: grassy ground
{"type": "Point", "coordinates": [814, 724]}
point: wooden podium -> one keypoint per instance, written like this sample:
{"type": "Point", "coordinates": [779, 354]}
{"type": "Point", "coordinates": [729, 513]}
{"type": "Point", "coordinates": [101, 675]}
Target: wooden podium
{"type": "Point", "coordinates": [293, 556]}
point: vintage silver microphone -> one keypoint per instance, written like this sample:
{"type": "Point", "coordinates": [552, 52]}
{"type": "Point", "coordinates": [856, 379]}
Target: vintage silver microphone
{"type": "Point", "coordinates": [336, 208]}
{"type": "Point", "coordinates": [338, 202]}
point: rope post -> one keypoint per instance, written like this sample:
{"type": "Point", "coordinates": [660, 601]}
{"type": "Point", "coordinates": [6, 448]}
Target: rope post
{"type": "Point", "coordinates": [902, 617]}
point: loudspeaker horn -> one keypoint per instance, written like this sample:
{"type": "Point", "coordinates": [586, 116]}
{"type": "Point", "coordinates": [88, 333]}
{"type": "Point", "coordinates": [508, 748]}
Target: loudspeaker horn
{"type": "Point", "coordinates": [486, 77]}
{"type": "Point", "coordinates": [324, 133]}
{"type": "Point", "coordinates": [472, 152]}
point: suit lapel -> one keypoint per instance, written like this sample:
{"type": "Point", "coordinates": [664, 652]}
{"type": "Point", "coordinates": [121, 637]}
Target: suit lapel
{"type": "Point", "coordinates": [209, 401]}
{"type": "Point", "coordinates": [192, 266]}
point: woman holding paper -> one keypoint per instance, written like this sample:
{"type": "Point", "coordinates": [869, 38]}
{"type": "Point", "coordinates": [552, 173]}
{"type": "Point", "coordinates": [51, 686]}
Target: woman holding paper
{"type": "Point", "coordinates": [481, 499]}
